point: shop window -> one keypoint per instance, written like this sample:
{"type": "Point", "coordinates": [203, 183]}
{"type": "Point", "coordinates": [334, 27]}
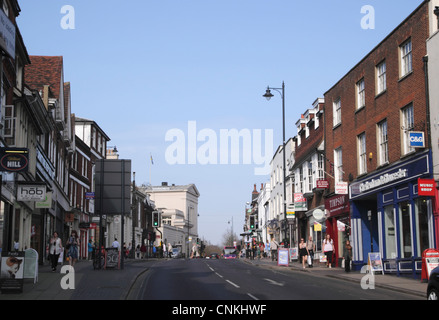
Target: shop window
{"type": "Point", "coordinates": [422, 210]}
{"type": "Point", "coordinates": [405, 230]}
{"type": "Point", "coordinates": [390, 235]}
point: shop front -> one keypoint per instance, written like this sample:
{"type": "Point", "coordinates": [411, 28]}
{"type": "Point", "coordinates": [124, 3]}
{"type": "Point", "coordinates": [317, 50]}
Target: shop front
{"type": "Point", "coordinates": [391, 216]}
{"type": "Point", "coordinates": [338, 224]}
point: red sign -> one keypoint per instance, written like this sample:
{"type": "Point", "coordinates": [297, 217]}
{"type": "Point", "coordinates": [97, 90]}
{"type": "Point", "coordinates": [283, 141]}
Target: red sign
{"type": "Point", "coordinates": [426, 187]}
{"type": "Point", "coordinates": [322, 184]}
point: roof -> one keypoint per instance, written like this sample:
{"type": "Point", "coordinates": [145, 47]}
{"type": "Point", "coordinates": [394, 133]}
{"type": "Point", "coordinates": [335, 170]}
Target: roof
{"type": "Point", "coordinates": [45, 70]}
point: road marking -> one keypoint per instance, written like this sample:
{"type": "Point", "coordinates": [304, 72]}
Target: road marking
{"type": "Point", "coordinates": [275, 283]}
{"type": "Point", "coordinates": [233, 284]}
{"type": "Point", "coordinates": [252, 296]}
{"type": "Point", "coordinates": [219, 275]}
{"type": "Point", "coordinates": [211, 269]}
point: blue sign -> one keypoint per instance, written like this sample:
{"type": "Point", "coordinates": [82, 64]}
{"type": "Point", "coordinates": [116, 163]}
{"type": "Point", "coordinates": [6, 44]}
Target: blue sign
{"type": "Point", "coordinates": [416, 139]}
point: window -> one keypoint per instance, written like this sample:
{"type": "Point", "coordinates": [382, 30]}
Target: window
{"type": "Point", "coordinates": [407, 126]}
{"type": "Point", "coordinates": [338, 165]}
{"type": "Point", "coordinates": [320, 162]}
{"type": "Point", "coordinates": [361, 96]}
{"type": "Point", "coordinates": [422, 213]}
{"type": "Point", "coordinates": [337, 112]}
{"type": "Point", "coordinates": [310, 176]}
{"type": "Point", "coordinates": [362, 156]}
{"type": "Point", "coordinates": [390, 236]}
{"type": "Point", "coordinates": [381, 77]}
{"type": "Point", "coordinates": [383, 148]}
{"type": "Point", "coordinates": [405, 230]}
{"type": "Point", "coordinates": [406, 57]}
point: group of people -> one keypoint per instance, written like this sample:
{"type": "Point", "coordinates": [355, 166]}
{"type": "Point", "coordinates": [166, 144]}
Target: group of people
{"type": "Point", "coordinates": [306, 252]}
{"type": "Point", "coordinates": [56, 248]}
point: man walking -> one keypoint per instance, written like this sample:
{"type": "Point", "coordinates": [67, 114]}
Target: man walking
{"type": "Point", "coordinates": [273, 247]}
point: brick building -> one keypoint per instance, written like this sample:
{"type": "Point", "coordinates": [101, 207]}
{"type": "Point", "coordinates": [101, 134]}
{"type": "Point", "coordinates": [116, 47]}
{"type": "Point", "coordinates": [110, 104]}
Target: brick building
{"type": "Point", "coordinates": [370, 116]}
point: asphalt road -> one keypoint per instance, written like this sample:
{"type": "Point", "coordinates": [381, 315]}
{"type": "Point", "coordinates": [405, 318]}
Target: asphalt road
{"type": "Point", "coordinates": [201, 279]}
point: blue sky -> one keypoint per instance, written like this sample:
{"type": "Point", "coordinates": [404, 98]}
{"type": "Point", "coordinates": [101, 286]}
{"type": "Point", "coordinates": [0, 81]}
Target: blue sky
{"type": "Point", "coordinates": [140, 68]}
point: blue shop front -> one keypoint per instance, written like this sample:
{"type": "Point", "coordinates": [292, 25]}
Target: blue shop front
{"type": "Point", "coordinates": [390, 217]}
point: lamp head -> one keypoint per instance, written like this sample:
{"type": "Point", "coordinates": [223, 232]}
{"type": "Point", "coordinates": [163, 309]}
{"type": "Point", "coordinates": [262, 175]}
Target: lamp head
{"type": "Point", "coordinates": [268, 95]}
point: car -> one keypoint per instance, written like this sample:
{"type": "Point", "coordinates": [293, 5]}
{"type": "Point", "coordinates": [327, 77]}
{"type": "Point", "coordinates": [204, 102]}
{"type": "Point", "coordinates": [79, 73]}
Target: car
{"type": "Point", "coordinates": [433, 285]}
{"type": "Point", "coordinates": [214, 256]}
{"type": "Point", "coordinates": [176, 253]}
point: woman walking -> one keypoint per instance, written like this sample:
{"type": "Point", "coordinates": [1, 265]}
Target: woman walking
{"type": "Point", "coordinates": [55, 249]}
{"type": "Point", "coordinates": [347, 254]}
{"type": "Point", "coordinates": [72, 247]}
{"type": "Point", "coordinates": [328, 249]}
{"type": "Point", "coordinates": [303, 252]}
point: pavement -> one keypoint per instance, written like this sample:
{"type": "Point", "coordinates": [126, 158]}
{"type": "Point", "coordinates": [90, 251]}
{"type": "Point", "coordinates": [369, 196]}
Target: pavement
{"type": "Point", "coordinates": [124, 284]}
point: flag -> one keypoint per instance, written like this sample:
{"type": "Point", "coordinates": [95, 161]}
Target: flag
{"type": "Point", "coordinates": [152, 161]}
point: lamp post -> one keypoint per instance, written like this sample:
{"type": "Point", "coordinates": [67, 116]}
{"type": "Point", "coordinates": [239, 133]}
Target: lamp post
{"type": "Point", "coordinates": [268, 95]}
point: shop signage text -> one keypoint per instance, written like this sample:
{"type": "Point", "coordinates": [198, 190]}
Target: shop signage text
{"type": "Point", "coordinates": [383, 179]}
{"type": "Point", "coordinates": [426, 187]}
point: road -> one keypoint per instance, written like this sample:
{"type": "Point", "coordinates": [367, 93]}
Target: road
{"type": "Point", "coordinates": [200, 279]}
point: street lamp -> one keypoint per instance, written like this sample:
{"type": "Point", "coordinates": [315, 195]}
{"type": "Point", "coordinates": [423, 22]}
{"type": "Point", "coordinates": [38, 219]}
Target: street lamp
{"type": "Point", "coordinates": [268, 95]}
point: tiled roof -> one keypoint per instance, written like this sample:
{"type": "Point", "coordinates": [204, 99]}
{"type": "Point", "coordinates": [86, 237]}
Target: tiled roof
{"type": "Point", "coordinates": [45, 70]}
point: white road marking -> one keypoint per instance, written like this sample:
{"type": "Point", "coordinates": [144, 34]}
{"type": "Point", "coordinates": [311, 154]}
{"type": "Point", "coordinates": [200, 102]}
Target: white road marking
{"type": "Point", "coordinates": [252, 296]}
{"type": "Point", "coordinates": [275, 283]}
{"type": "Point", "coordinates": [233, 284]}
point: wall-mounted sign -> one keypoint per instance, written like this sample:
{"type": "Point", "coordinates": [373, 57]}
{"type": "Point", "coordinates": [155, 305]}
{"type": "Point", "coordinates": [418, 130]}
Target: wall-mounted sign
{"type": "Point", "coordinates": [426, 187]}
{"type": "Point", "coordinates": [341, 187]}
{"type": "Point", "coordinates": [7, 34]}
{"type": "Point", "coordinates": [14, 159]}
{"type": "Point", "coordinates": [31, 192]}
{"type": "Point", "coordinates": [416, 139]}
{"type": "Point", "coordinates": [300, 202]}
{"type": "Point", "coordinates": [322, 184]}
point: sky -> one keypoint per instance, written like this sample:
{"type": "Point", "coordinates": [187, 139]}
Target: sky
{"type": "Point", "coordinates": [164, 79]}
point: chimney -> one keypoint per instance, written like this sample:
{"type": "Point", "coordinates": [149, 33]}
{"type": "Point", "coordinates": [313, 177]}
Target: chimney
{"type": "Point", "coordinates": [436, 12]}
{"type": "Point", "coordinates": [255, 193]}
{"type": "Point", "coordinates": [262, 186]}
{"type": "Point", "coordinates": [164, 184]}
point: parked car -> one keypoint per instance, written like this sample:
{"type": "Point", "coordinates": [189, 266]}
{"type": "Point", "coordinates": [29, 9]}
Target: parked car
{"type": "Point", "coordinates": [176, 253]}
{"type": "Point", "coordinates": [433, 285]}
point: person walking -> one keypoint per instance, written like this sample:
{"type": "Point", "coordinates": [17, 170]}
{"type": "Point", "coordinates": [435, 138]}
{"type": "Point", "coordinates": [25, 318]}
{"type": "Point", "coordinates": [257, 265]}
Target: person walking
{"type": "Point", "coordinates": [72, 248]}
{"type": "Point", "coordinates": [55, 249]}
{"type": "Point", "coordinates": [347, 255]}
{"type": "Point", "coordinates": [328, 249]}
{"type": "Point", "coordinates": [169, 250]}
{"type": "Point", "coordinates": [311, 246]}
{"type": "Point", "coordinates": [303, 252]}
{"type": "Point", "coordinates": [90, 249]}
{"type": "Point", "coordinates": [143, 251]}
{"type": "Point", "coordinates": [115, 244]}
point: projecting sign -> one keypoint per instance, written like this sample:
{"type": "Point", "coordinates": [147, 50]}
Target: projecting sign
{"type": "Point", "coordinates": [31, 192]}
{"type": "Point", "coordinates": [7, 35]}
{"type": "Point", "coordinates": [416, 139]}
{"type": "Point", "coordinates": [426, 187]}
{"type": "Point", "coordinates": [14, 159]}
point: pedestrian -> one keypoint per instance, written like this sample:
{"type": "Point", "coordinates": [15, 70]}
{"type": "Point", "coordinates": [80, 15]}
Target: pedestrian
{"type": "Point", "coordinates": [142, 251]}
{"type": "Point", "coordinates": [72, 247]}
{"type": "Point", "coordinates": [138, 251]}
{"type": "Point", "coordinates": [16, 245]}
{"type": "Point", "coordinates": [55, 249]}
{"type": "Point", "coordinates": [165, 249]}
{"type": "Point", "coordinates": [273, 246]}
{"type": "Point", "coordinates": [169, 250]}
{"type": "Point", "coordinates": [347, 255]}
{"type": "Point", "coordinates": [328, 249]}
{"type": "Point", "coordinates": [90, 249]}
{"type": "Point", "coordinates": [115, 244]}
{"type": "Point", "coordinates": [311, 246]}
{"type": "Point", "coordinates": [267, 250]}
{"type": "Point", "coordinates": [303, 252]}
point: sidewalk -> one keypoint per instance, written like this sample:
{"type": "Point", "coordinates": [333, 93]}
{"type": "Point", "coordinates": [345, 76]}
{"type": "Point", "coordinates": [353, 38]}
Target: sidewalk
{"type": "Point", "coordinates": [90, 284]}
{"type": "Point", "coordinates": [392, 282]}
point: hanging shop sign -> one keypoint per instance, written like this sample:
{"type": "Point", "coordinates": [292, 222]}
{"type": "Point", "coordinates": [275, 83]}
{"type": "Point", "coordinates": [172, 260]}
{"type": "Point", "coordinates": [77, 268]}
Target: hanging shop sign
{"type": "Point", "coordinates": [416, 139]}
{"type": "Point", "coordinates": [7, 35]}
{"type": "Point", "coordinates": [426, 187]}
{"type": "Point", "coordinates": [322, 184]}
{"type": "Point", "coordinates": [31, 192]}
{"type": "Point", "coordinates": [14, 159]}
{"type": "Point", "coordinates": [341, 187]}
{"type": "Point", "coordinates": [337, 205]}
{"type": "Point", "coordinates": [300, 202]}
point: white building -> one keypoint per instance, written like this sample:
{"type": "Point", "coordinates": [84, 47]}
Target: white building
{"type": "Point", "coordinates": [276, 215]}
{"type": "Point", "coordinates": [263, 211]}
{"type": "Point", "coordinates": [179, 211]}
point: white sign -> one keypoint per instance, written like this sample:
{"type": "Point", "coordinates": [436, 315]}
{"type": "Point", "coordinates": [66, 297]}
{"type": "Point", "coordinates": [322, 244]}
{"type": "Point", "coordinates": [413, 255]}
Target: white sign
{"type": "Point", "coordinates": [341, 187]}
{"type": "Point", "coordinates": [7, 34]}
{"type": "Point", "coordinates": [282, 257]}
{"type": "Point", "coordinates": [31, 192]}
